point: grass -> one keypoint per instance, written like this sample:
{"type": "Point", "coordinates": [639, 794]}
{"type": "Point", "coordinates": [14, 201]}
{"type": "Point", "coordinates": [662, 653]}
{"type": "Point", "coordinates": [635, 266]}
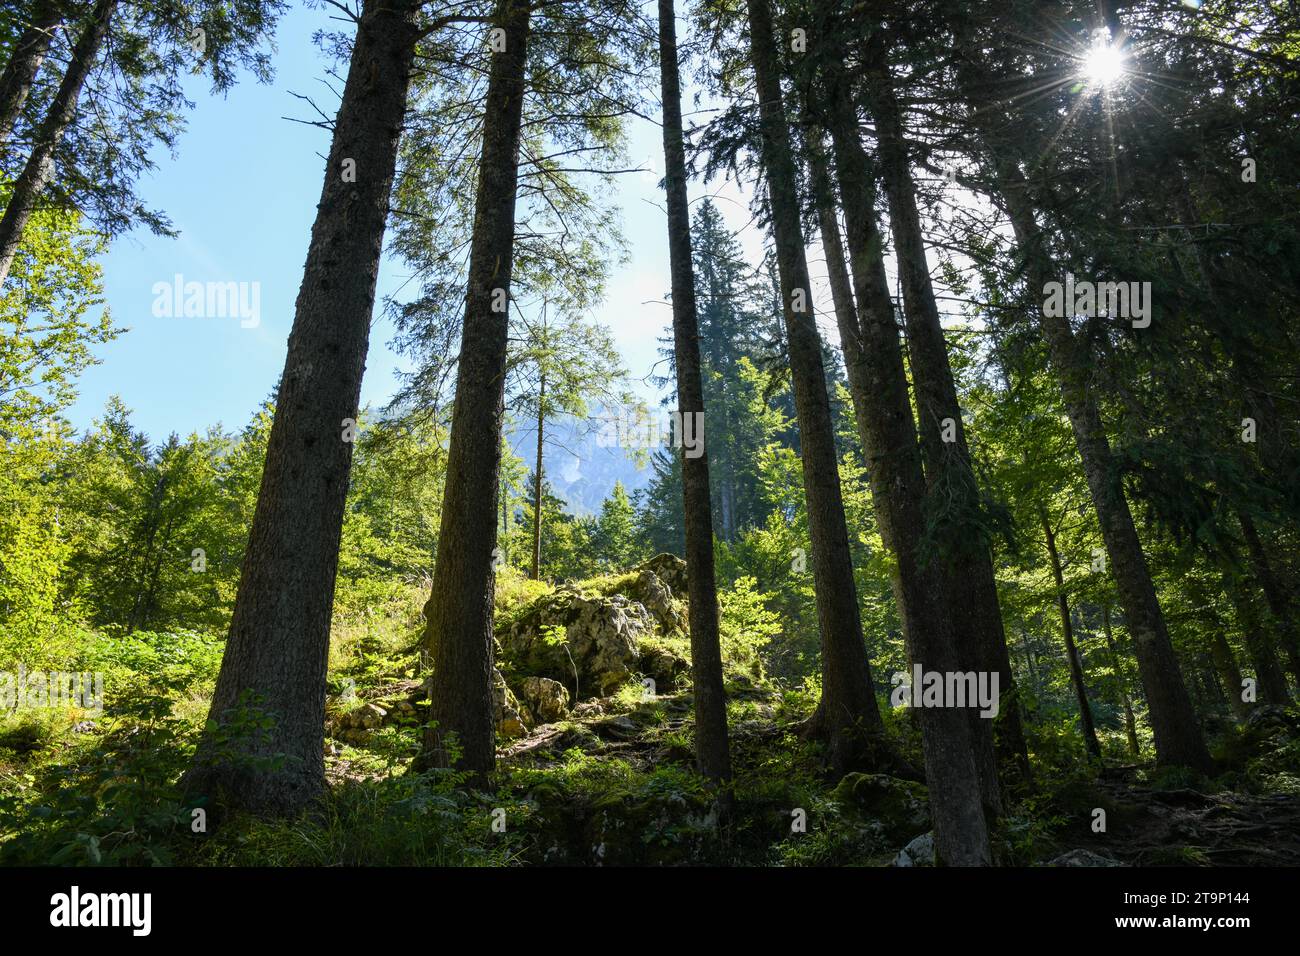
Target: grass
{"type": "Point", "coordinates": [109, 796]}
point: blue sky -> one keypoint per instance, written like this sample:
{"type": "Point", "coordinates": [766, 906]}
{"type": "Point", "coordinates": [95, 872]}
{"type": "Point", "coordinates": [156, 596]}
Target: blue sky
{"type": "Point", "coordinates": [242, 191]}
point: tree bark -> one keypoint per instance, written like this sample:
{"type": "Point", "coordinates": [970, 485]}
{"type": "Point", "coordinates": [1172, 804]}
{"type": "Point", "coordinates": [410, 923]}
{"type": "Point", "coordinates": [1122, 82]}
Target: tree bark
{"type": "Point", "coordinates": [537, 490]}
{"type": "Point", "coordinates": [959, 796]}
{"type": "Point", "coordinates": [24, 63]}
{"type": "Point", "coordinates": [1130, 725]}
{"type": "Point", "coordinates": [40, 162]}
{"type": "Point", "coordinates": [711, 748]}
{"type": "Point", "coordinates": [1278, 605]}
{"type": "Point", "coordinates": [278, 646]}
{"type": "Point", "coordinates": [458, 637]}
{"type": "Point", "coordinates": [849, 711]}
{"type": "Point", "coordinates": [1071, 649]}
{"type": "Point", "coordinates": [978, 628]}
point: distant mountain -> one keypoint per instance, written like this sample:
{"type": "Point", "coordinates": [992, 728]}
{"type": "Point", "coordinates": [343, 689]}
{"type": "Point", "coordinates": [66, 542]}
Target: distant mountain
{"type": "Point", "coordinates": [580, 464]}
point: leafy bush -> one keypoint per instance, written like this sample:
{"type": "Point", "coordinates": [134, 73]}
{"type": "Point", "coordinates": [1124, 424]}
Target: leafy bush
{"type": "Point", "coordinates": [746, 625]}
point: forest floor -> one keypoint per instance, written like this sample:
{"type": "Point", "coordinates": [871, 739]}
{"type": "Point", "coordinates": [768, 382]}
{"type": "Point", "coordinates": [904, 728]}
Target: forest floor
{"type": "Point", "coordinates": [610, 783]}
{"type": "Point", "coordinates": [617, 788]}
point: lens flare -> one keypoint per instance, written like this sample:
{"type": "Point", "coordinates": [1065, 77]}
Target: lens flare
{"type": "Point", "coordinates": [1104, 64]}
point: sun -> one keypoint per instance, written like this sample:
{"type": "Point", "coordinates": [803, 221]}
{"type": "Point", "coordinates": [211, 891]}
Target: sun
{"type": "Point", "coordinates": [1103, 65]}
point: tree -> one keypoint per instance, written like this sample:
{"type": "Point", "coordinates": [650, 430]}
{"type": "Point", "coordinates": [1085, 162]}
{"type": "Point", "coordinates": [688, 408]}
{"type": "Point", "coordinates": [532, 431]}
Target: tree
{"type": "Point", "coordinates": [40, 163]}
{"type": "Point", "coordinates": [559, 367]}
{"type": "Point", "coordinates": [849, 713]}
{"type": "Point", "coordinates": [1177, 735]}
{"type": "Point", "coordinates": [50, 324]}
{"type": "Point", "coordinates": [711, 749]}
{"type": "Point", "coordinates": [119, 99]}
{"type": "Point", "coordinates": [958, 790]}
{"type": "Point", "coordinates": [458, 635]}
{"type": "Point", "coordinates": [955, 496]}
{"type": "Point", "coordinates": [661, 525]}
{"type": "Point", "coordinates": [42, 19]}
{"type": "Point", "coordinates": [1067, 633]}
{"type": "Point", "coordinates": [278, 643]}
{"type": "Point", "coordinates": [615, 537]}
{"type": "Point", "coordinates": [734, 322]}
{"type": "Point", "coordinates": [153, 547]}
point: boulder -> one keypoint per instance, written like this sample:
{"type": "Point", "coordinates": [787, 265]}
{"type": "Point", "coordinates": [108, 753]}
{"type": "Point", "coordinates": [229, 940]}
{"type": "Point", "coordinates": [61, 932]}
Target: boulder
{"type": "Point", "coordinates": [590, 708]}
{"type": "Point", "coordinates": [669, 569]}
{"type": "Point", "coordinates": [1266, 720]}
{"type": "Point", "coordinates": [920, 852]}
{"type": "Point", "coordinates": [547, 700]}
{"type": "Point", "coordinates": [897, 807]}
{"type": "Point", "coordinates": [656, 596]}
{"type": "Point", "coordinates": [588, 642]}
{"type": "Point", "coordinates": [365, 717]}
{"type": "Point", "coordinates": [662, 665]}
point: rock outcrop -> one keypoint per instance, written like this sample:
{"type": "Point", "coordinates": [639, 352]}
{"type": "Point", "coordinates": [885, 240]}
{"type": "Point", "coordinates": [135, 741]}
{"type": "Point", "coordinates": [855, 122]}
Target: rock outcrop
{"type": "Point", "coordinates": [590, 643]}
{"type": "Point", "coordinates": [547, 700]}
{"type": "Point", "coordinates": [899, 808]}
{"type": "Point", "coordinates": [593, 642]}
{"type": "Point", "coordinates": [562, 654]}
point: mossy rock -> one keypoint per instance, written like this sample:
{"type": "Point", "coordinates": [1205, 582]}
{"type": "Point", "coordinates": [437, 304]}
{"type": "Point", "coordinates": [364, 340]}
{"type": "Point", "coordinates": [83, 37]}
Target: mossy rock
{"type": "Point", "coordinates": [664, 665]}
{"type": "Point", "coordinates": [637, 830]}
{"type": "Point", "coordinates": [670, 569]}
{"type": "Point", "coordinates": [590, 644]}
{"type": "Point", "coordinates": [901, 808]}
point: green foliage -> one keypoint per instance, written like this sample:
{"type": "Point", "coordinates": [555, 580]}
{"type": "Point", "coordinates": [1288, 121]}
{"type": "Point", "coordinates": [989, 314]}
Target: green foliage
{"type": "Point", "coordinates": [614, 540]}
{"type": "Point", "coordinates": [403, 820]}
{"type": "Point", "coordinates": [48, 331]}
{"type": "Point", "coordinates": [746, 625]}
{"type": "Point", "coordinates": [114, 801]}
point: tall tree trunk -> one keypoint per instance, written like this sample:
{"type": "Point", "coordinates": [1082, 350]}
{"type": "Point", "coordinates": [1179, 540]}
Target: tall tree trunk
{"type": "Point", "coordinates": [978, 628]}
{"type": "Point", "coordinates": [1268, 673]}
{"type": "Point", "coordinates": [1029, 660]}
{"type": "Point", "coordinates": [848, 711]}
{"type": "Point", "coordinates": [458, 637]}
{"type": "Point", "coordinates": [1177, 733]}
{"type": "Point", "coordinates": [1276, 454]}
{"type": "Point", "coordinates": [537, 490]}
{"type": "Point", "coordinates": [841, 285]}
{"type": "Point", "coordinates": [1225, 664]}
{"type": "Point", "coordinates": [959, 796]}
{"type": "Point", "coordinates": [711, 750]}
{"type": "Point", "coordinates": [40, 162]}
{"type": "Point", "coordinates": [1130, 724]}
{"type": "Point", "coordinates": [1174, 726]}
{"type": "Point", "coordinates": [278, 645]}
{"type": "Point", "coordinates": [1278, 605]}
{"type": "Point", "coordinates": [24, 63]}
{"type": "Point", "coordinates": [1071, 649]}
